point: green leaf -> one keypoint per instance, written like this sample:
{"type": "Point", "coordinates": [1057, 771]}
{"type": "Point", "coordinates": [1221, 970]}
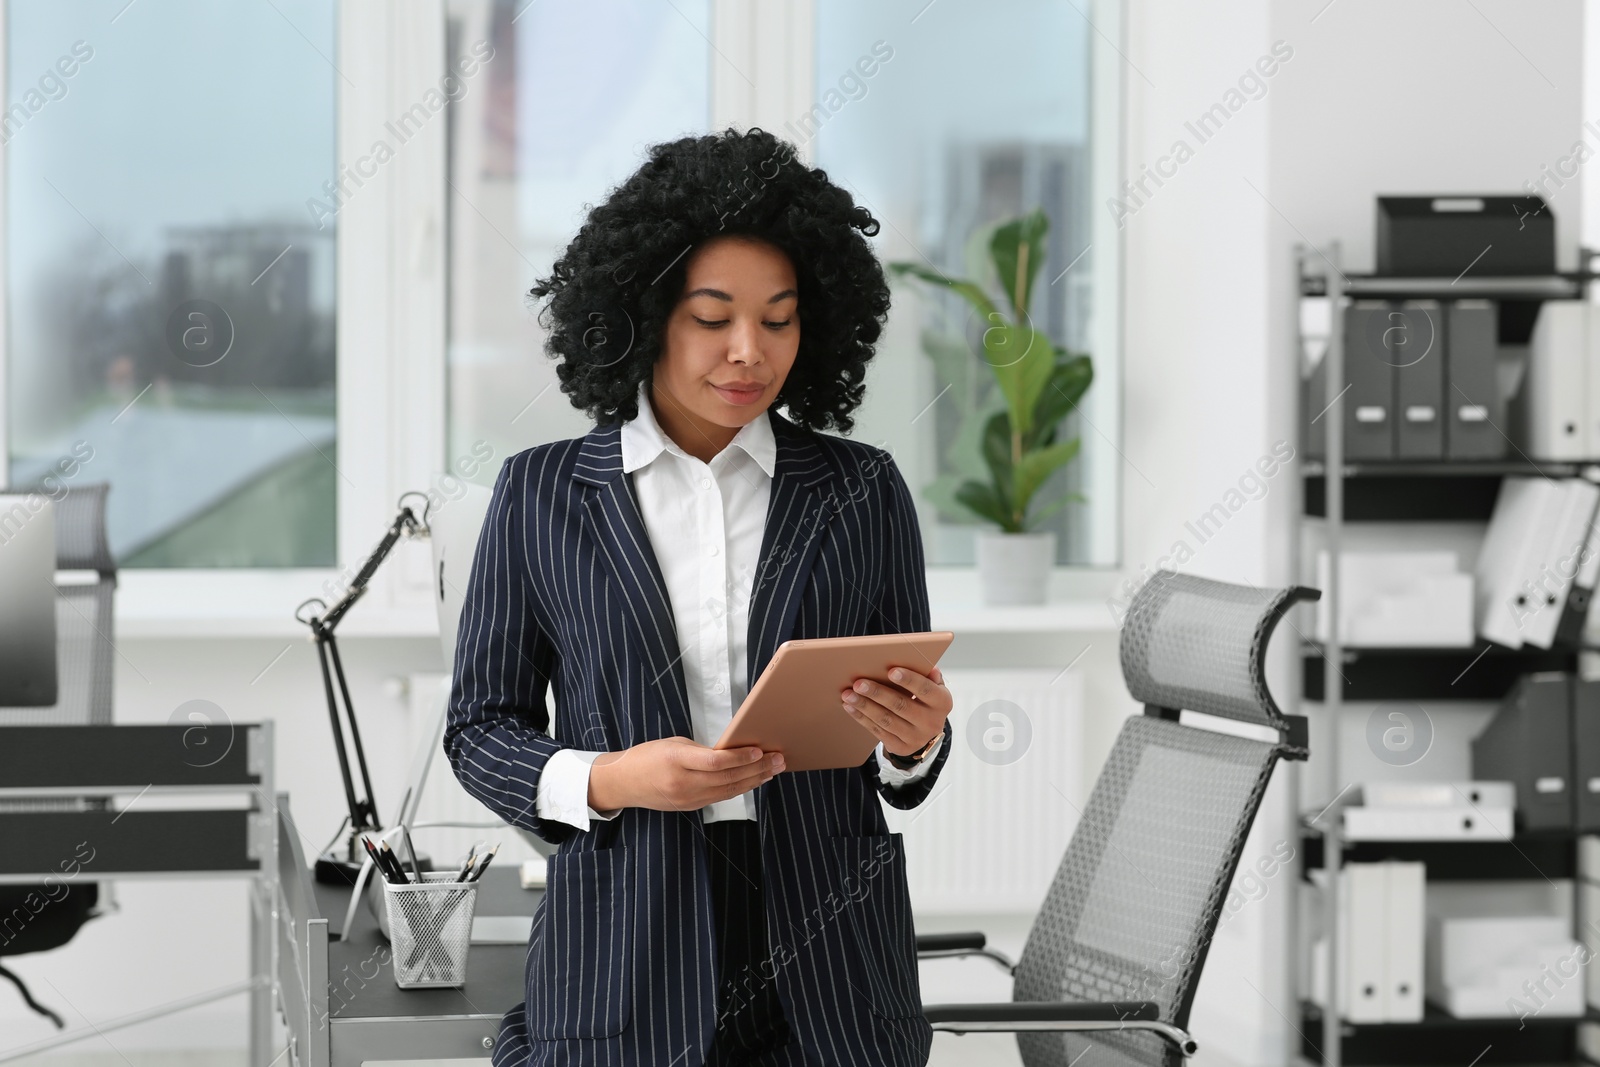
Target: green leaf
{"type": "Point", "coordinates": [997, 453]}
{"type": "Point", "coordinates": [942, 492]}
{"type": "Point", "coordinates": [975, 256]}
{"type": "Point", "coordinates": [1038, 513]}
{"type": "Point", "coordinates": [984, 502]}
{"type": "Point", "coordinates": [968, 290]}
{"type": "Point", "coordinates": [1069, 380]}
{"type": "Point", "coordinates": [952, 361]}
{"type": "Point", "coordinates": [1022, 360]}
{"type": "Point", "coordinates": [1037, 466]}
{"type": "Point", "coordinates": [965, 454]}
{"type": "Point", "coordinates": [1017, 249]}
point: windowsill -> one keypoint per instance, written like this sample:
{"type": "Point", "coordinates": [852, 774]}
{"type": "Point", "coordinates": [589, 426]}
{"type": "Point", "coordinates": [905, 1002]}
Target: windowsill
{"type": "Point", "coordinates": [1069, 616]}
{"type": "Point", "coordinates": [243, 605]}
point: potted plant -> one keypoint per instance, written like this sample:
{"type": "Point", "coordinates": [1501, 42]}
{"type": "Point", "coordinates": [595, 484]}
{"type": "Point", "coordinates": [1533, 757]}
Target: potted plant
{"type": "Point", "coordinates": [1007, 445]}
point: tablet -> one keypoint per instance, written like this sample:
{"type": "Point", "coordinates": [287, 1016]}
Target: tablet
{"type": "Point", "coordinates": [794, 707]}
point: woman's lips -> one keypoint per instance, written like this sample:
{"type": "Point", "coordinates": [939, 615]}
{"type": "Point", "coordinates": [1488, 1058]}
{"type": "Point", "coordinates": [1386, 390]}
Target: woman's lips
{"type": "Point", "coordinates": [739, 396]}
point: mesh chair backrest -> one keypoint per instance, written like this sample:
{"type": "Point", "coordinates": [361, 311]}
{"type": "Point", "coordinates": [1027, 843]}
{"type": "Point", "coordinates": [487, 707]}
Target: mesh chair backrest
{"type": "Point", "coordinates": [84, 616]}
{"type": "Point", "coordinates": [1137, 897]}
{"type": "Point", "coordinates": [1139, 892]}
{"type": "Point", "coordinates": [82, 543]}
{"type": "Point", "coordinates": [1199, 644]}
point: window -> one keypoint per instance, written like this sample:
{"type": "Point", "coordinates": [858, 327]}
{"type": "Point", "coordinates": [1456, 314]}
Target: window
{"type": "Point", "coordinates": [934, 141]}
{"type": "Point", "coordinates": [522, 173]}
{"type": "Point", "coordinates": [170, 302]}
{"type": "Point", "coordinates": [973, 113]}
{"type": "Point", "coordinates": [172, 267]}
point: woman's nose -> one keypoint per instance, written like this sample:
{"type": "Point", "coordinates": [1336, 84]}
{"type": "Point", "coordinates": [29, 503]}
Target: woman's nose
{"type": "Point", "coordinates": [745, 341]}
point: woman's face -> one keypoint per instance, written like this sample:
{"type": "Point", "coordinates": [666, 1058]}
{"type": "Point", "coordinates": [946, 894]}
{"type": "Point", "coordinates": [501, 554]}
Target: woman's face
{"type": "Point", "coordinates": [729, 342]}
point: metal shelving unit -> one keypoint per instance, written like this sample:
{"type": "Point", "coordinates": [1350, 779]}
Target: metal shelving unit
{"type": "Point", "coordinates": [1333, 493]}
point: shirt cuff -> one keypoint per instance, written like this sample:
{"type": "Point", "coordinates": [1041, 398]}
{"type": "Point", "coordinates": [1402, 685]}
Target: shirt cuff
{"type": "Point", "coordinates": [563, 794]}
{"type": "Point", "coordinates": [894, 777]}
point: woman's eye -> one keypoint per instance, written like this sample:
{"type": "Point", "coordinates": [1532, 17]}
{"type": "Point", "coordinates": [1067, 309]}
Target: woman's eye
{"type": "Point", "coordinates": [779, 325]}
{"type": "Point", "coordinates": [712, 323]}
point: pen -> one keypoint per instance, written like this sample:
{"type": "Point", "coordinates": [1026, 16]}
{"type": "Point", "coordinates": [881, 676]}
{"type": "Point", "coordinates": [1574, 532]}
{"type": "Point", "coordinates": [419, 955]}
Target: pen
{"type": "Point", "coordinates": [411, 850]}
{"type": "Point", "coordinates": [466, 865]}
{"type": "Point", "coordinates": [393, 863]}
{"type": "Point", "coordinates": [483, 865]}
{"type": "Point", "coordinates": [377, 861]}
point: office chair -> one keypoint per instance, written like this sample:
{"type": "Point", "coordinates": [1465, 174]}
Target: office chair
{"type": "Point", "coordinates": [84, 627]}
{"type": "Point", "coordinates": [1108, 973]}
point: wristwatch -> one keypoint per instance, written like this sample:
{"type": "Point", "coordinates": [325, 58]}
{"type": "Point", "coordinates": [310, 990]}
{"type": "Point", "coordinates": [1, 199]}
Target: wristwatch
{"type": "Point", "coordinates": [906, 763]}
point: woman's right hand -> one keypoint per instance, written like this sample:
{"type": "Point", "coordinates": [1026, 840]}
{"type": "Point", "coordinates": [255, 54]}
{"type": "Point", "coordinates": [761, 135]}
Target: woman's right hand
{"type": "Point", "coordinates": [677, 774]}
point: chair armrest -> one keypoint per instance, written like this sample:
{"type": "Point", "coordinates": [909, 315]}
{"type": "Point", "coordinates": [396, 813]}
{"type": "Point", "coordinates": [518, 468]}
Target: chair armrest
{"type": "Point", "coordinates": [1018, 1016]}
{"type": "Point", "coordinates": [1043, 1011]}
{"type": "Point", "coordinates": [969, 943]}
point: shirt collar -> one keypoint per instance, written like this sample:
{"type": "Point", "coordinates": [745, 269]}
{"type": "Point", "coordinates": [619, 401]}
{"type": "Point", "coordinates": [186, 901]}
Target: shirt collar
{"type": "Point", "coordinates": [643, 439]}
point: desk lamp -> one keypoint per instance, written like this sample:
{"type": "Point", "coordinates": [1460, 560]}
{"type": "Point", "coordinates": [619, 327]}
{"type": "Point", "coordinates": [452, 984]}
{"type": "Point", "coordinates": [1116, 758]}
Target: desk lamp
{"type": "Point", "coordinates": [341, 864]}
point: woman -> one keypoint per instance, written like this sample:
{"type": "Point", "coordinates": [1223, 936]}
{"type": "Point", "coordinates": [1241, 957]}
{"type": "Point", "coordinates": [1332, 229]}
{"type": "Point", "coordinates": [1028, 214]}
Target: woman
{"type": "Point", "coordinates": [704, 906]}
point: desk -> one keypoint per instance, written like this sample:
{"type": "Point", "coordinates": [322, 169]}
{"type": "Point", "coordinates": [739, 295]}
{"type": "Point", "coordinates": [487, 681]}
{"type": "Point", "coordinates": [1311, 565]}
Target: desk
{"type": "Point", "coordinates": [339, 999]}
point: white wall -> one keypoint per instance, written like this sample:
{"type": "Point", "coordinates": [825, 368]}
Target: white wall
{"type": "Point", "coordinates": [1423, 97]}
{"type": "Point", "coordinates": [1205, 399]}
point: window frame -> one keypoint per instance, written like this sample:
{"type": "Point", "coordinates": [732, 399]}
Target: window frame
{"type": "Point", "coordinates": [391, 317]}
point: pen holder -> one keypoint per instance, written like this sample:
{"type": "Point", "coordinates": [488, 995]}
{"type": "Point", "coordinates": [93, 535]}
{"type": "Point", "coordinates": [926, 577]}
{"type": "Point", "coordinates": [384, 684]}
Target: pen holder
{"type": "Point", "coordinates": [430, 930]}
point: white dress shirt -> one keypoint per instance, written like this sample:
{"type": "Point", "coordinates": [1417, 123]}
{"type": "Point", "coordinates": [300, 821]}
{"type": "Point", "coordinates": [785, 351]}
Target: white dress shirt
{"type": "Point", "coordinates": [705, 522]}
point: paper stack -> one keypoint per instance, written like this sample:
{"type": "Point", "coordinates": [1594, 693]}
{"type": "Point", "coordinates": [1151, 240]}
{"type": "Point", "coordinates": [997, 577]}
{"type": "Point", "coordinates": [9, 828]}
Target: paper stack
{"type": "Point", "coordinates": [1504, 967]}
{"type": "Point", "coordinates": [1389, 599]}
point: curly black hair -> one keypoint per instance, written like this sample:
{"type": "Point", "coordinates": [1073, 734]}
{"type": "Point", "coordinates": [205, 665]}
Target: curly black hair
{"type": "Point", "coordinates": [610, 292]}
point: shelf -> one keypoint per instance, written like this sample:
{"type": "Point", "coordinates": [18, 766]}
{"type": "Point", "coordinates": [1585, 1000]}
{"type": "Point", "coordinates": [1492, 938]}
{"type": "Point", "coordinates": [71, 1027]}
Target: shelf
{"type": "Point", "coordinates": [1446, 491]}
{"type": "Point", "coordinates": [1524, 857]}
{"type": "Point", "coordinates": [1516, 287]}
{"type": "Point", "coordinates": [1483, 672]}
{"type": "Point", "coordinates": [1456, 468]}
{"type": "Point", "coordinates": [1443, 1039]}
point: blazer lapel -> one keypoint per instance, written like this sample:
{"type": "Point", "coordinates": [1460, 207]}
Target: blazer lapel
{"type": "Point", "coordinates": [612, 520]}
{"type": "Point", "coordinates": [801, 507]}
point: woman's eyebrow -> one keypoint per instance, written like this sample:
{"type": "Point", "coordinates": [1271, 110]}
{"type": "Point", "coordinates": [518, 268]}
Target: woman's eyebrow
{"type": "Point", "coordinates": [718, 294]}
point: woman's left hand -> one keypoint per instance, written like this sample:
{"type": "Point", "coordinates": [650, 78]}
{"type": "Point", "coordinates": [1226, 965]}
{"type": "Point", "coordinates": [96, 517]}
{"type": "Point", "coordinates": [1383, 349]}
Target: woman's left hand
{"type": "Point", "coordinates": [905, 719]}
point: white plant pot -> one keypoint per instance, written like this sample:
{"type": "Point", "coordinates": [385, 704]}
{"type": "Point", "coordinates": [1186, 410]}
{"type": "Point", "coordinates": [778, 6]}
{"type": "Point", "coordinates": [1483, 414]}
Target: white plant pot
{"type": "Point", "coordinates": [1014, 568]}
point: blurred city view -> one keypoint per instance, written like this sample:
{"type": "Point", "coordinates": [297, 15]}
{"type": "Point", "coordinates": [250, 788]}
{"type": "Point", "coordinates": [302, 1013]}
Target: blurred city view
{"type": "Point", "coordinates": [170, 303]}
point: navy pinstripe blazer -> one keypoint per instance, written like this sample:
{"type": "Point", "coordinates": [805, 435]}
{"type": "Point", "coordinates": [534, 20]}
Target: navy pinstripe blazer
{"type": "Point", "coordinates": [565, 589]}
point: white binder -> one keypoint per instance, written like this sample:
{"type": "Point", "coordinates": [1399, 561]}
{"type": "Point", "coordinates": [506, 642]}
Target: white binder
{"type": "Point", "coordinates": [1562, 561]}
{"type": "Point", "coordinates": [1409, 794]}
{"type": "Point", "coordinates": [1406, 924]}
{"type": "Point", "coordinates": [1363, 906]}
{"type": "Point", "coordinates": [1520, 530]}
{"type": "Point", "coordinates": [1428, 823]}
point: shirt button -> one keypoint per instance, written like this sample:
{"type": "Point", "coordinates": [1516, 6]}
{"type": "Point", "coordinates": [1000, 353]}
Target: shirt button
{"type": "Point", "coordinates": [713, 550]}
{"type": "Point", "coordinates": [717, 688]}
{"type": "Point", "coordinates": [705, 483]}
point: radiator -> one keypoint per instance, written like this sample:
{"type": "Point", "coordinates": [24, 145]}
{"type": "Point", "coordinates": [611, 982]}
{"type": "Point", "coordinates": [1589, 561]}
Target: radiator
{"type": "Point", "coordinates": [992, 833]}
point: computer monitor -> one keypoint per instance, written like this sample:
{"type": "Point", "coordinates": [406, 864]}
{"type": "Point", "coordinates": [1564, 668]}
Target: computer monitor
{"type": "Point", "coordinates": [27, 601]}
